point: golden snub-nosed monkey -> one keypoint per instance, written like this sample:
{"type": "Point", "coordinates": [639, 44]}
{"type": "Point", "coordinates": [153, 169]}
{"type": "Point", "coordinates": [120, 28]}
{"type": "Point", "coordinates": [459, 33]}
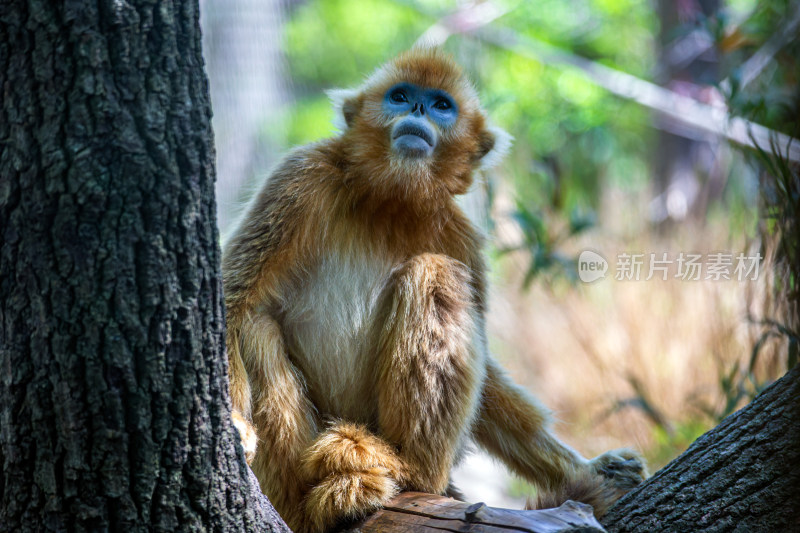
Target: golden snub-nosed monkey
{"type": "Point", "coordinates": [356, 294]}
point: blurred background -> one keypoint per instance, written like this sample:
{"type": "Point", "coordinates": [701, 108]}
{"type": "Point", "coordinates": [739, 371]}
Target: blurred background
{"type": "Point", "coordinates": [648, 132]}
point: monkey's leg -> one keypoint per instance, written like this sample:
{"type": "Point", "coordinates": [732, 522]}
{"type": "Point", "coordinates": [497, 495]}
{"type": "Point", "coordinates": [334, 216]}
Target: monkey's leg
{"type": "Point", "coordinates": [428, 371]}
{"type": "Point", "coordinates": [282, 415]}
{"type": "Point", "coordinates": [514, 427]}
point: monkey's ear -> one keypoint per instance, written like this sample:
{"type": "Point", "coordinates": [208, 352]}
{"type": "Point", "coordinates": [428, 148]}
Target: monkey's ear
{"type": "Point", "coordinates": [493, 144]}
{"type": "Point", "coordinates": [345, 106]}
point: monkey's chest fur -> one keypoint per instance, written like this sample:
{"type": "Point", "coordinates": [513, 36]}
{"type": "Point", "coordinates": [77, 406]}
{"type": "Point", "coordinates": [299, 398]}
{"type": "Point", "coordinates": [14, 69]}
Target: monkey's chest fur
{"type": "Point", "coordinates": [329, 321]}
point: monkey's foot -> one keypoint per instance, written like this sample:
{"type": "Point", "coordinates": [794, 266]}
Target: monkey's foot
{"type": "Point", "coordinates": [347, 447]}
{"type": "Point", "coordinates": [353, 472]}
{"type": "Point", "coordinates": [247, 433]}
{"type": "Point", "coordinates": [623, 469]}
{"type": "Point", "coordinates": [349, 495]}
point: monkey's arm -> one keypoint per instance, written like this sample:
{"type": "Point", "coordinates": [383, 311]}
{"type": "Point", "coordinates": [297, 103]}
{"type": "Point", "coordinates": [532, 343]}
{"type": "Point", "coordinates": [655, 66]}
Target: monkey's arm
{"type": "Point", "coordinates": [252, 270]}
{"type": "Point", "coordinates": [255, 265]}
{"type": "Point", "coordinates": [512, 426]}
{"type": "Point", "coordinates": [283, 416]}
{"type": "Point", "coordinates": [269, 399]}
{"type": "Point", "coordinates": [267, 390]}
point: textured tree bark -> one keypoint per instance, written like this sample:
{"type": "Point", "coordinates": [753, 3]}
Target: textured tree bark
{"type": "Point", "coordinates": [113, 382]}
{"type": "Point", "coordinates": [418, 512]}
{"type": "Point", "coordinates": [743, 475]}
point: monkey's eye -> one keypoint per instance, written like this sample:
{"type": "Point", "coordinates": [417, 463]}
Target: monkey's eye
{"type": "Point", "coordinates": [442, 104]}
{"type": "Point", "coordinates": [398, 97]}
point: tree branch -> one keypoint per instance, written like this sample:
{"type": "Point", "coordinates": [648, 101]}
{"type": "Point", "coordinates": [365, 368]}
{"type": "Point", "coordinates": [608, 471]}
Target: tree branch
{"type": "Point", "coordinates": [416, 512]}
{"type": "Point", "coordinates": [743, 475]}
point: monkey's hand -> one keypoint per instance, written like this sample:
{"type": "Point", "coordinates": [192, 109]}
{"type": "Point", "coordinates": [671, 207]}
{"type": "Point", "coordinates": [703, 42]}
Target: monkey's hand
{"type": "Point", "coordinates": [623, 468]}
{"type": "Point", "coordinates": [604, 480]}
{"type": "Point", "coordinates": [247, 433]}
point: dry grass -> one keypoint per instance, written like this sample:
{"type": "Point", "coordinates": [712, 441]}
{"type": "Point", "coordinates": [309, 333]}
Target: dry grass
{"type": "Point", "coordinates": [633, 363]}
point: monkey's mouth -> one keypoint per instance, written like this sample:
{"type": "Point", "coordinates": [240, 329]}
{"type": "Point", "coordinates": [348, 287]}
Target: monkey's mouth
{"type": "Point", "coordinates": [416, 131]}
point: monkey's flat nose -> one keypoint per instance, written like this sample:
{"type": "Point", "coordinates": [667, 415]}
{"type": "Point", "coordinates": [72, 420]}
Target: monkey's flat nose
{"type": "Point", "coordinates": [419, 109]}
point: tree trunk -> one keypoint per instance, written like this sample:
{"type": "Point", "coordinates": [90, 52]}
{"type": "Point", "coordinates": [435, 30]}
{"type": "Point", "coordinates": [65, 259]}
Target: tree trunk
{"type": "Point", "coordinates": [113, 386]}
{"type": "Point", "coordinates": [743, 475]}
{"type": "Point", "coordinates": [686, 173]}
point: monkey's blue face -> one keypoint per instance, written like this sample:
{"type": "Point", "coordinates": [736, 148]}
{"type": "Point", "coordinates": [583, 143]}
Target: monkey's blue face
{"type": "Point", "coordinates": [420, 115]}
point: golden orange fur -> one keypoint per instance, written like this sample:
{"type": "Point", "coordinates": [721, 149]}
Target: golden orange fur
{"type": "Point", "coordinates": [355, 293]}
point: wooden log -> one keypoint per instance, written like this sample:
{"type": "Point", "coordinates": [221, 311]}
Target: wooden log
{"type": "Point", "coordinates": [416, 512]}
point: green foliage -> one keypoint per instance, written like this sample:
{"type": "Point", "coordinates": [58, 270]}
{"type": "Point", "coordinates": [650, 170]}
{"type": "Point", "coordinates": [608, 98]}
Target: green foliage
{"type": "Point", "coordinates": [543, 242]}
{"type": "Point", "coordinates": [620, 32]}
{"type": "Point", "coordinates": [670, 442]}
{"type": "Point", "coordinates": [781, 211]}
{"type": "Point", "coordinates": [337, 42]}
{"type": "Point", "coordinates": [519, 488]}
{"type": "Point", "coordinates": [312, 120]}
{"type": "Point", "coordinates": [737, 385]}
{"type": "Point", "coordinates": [771, 98]}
